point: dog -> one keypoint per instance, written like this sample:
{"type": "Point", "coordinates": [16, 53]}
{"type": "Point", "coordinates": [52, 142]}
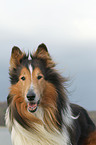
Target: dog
{"type": "Point", "coordinates": [39, 111]}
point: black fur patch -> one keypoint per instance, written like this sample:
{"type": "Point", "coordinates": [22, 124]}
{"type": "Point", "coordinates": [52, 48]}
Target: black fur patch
{"type": "Point", "coordinates": [18, 118]}
{"type": "Point", "coordinates": [83, 125]}
{"type": "Point", "coordinates": [9, 99]}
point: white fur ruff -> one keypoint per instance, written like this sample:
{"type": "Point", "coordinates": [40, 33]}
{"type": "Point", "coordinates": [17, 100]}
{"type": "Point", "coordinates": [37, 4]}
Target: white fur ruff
{"type": "Point", "coordinates": [20, 136]}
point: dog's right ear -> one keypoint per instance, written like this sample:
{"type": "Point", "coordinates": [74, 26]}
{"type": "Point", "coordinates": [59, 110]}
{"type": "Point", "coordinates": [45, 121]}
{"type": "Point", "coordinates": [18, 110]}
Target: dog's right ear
{"type": "Point", "coordinates": [16, 55]}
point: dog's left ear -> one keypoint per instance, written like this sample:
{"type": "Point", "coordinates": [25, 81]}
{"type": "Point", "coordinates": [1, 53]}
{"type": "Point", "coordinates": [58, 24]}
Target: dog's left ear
{"type": "Point", "coordinates": [42, 47]}
{"type": "Point", "coordinates": [42, 53]}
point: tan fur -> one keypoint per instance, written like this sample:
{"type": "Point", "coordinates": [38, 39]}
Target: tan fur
{"type": "Point", "coordinates": [91, 140]}
{"type": "Point", "coordinates": [49, 104]}
{"type": "Point", "coordinates": [16, 55]}
{"type": "Point", "coordinates": [42, 54]}
{"type": "Point", "coordinates": [21, 87]}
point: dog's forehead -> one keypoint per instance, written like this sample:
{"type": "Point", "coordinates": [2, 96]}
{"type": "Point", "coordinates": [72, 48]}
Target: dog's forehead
{"type": "Point", "coordinates": [31, 63]}
{"type": "Point", "coordinates": [36, 70]}
{"type": "Point", "coordinates": [30, 68]}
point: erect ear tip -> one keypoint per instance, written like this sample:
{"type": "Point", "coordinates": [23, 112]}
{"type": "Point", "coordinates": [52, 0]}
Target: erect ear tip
{"type": "Point", "coordinates": [16, 49]}
{"type": "Point", "coordinates": [16, 55]}
{"type": "Point", "coordinates": [42, 46]}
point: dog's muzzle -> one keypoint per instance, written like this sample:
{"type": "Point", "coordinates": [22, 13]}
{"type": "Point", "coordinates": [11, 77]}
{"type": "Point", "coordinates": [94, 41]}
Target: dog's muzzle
{"type": "Point", "coordinates": [32, 105]}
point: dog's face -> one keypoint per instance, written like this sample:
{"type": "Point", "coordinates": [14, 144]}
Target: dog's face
{"type": "Point", "coordinates": [29, 78]}
{"type": "Point", "coordinates": [32, 84]}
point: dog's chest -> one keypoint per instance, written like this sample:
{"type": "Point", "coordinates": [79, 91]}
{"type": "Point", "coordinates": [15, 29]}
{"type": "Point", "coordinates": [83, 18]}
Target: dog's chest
{"type": "Point", "coordinates": [21, 136]}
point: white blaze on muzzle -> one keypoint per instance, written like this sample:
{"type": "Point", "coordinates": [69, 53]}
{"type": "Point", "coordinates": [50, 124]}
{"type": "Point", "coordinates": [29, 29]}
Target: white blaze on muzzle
{"type": "Point", "coordinates": [32, 99]}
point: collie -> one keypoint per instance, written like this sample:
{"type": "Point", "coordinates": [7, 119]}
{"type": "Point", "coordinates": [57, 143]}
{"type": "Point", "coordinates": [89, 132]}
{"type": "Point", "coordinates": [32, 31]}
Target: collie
{"type": "Point", "coordinates": [39, 112]}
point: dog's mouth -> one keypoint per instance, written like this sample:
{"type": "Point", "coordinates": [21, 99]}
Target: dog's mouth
{"type": "Point", "coordinates": [32, 106]}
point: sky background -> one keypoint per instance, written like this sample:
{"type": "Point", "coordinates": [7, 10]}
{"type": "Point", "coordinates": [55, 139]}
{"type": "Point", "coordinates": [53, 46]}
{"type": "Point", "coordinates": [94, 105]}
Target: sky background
{"type": "Point", "coordinates": [67, 27]}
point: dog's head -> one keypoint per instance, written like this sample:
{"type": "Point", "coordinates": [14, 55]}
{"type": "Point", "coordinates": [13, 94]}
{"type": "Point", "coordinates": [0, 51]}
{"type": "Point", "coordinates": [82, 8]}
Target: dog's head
{"type": "Point", "coordinates": [35, 84]}
{"type": "Point", "coordinates": [30, 79]}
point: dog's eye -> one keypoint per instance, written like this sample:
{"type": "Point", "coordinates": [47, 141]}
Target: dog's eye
{"type": "Point", "coordinates": [23, 78]}
{"type": "Point", "coordinates": [39, 77]}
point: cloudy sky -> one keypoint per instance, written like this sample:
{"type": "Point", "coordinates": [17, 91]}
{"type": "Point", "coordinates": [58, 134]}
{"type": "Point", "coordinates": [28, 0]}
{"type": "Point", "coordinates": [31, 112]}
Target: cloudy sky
{"type": "Point", "coordinates": [67, 27]}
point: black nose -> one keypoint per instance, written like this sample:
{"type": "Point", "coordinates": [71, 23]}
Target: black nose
{"type": "Point", "coordinates": [30, 95]}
